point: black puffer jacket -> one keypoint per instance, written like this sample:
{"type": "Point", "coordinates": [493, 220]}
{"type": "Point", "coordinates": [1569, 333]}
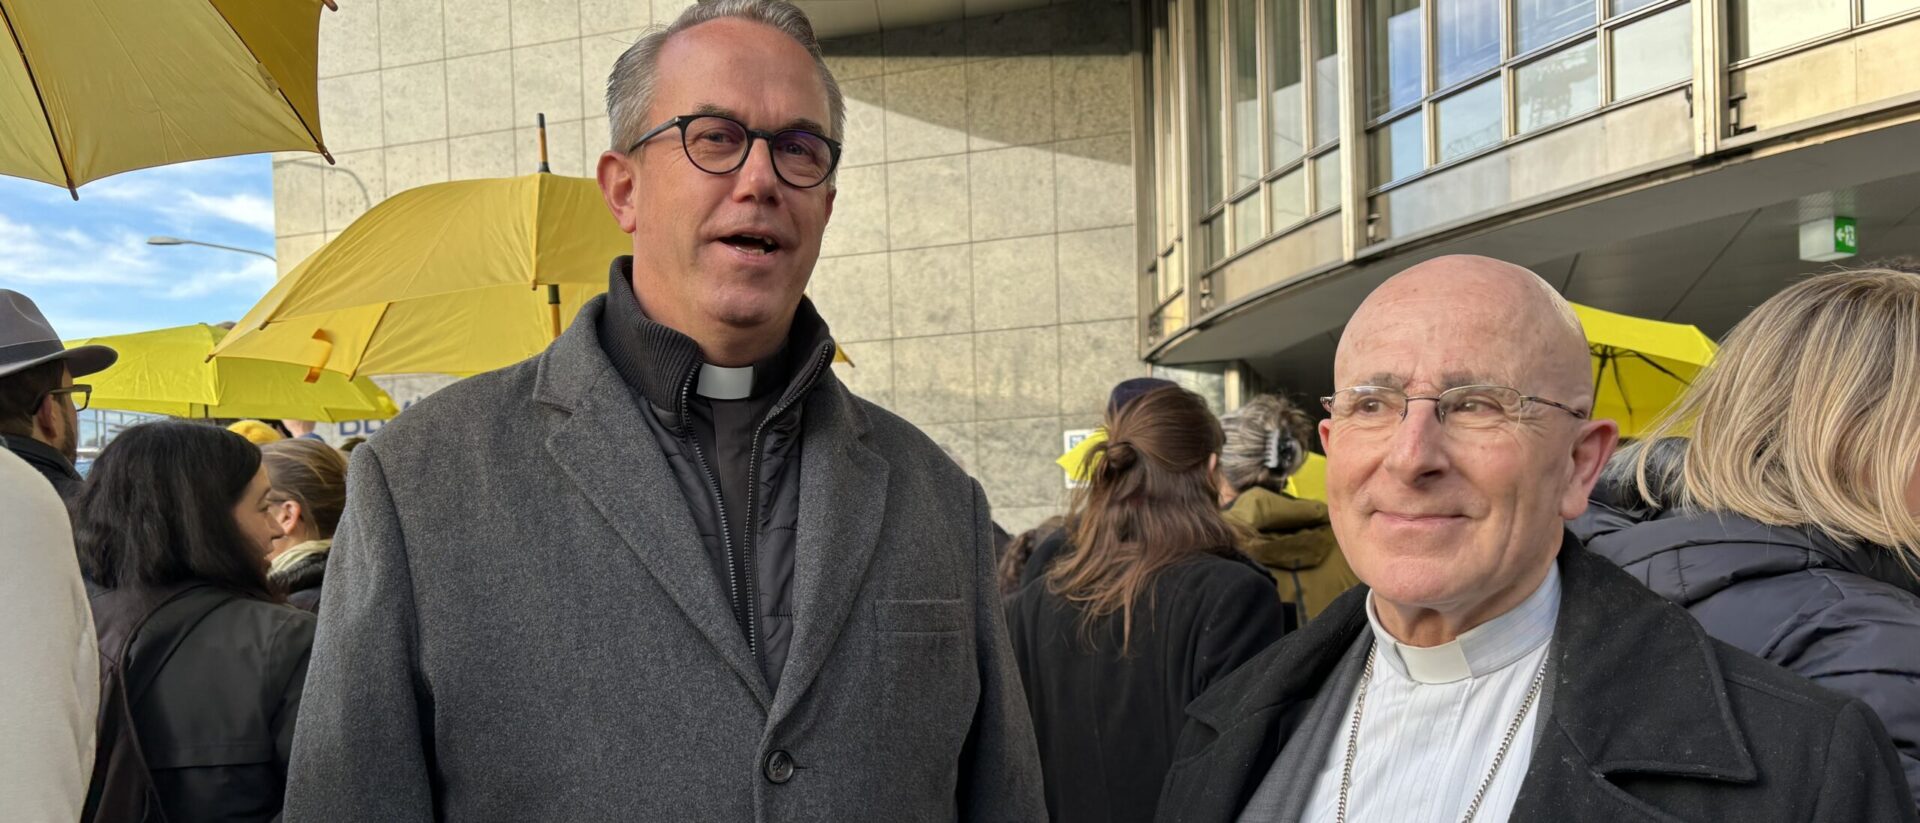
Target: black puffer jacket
{"type": "Point", "coordinates": [301, 581]}
{"type": "Point", "coordinates": [1847, 618]}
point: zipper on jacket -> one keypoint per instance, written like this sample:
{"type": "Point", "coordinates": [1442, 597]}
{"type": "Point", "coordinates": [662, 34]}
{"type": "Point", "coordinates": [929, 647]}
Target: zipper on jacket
{"type": "Point", "coordinates": [726, 529]}
{"type": "Point", "coordinates": [753, 490]}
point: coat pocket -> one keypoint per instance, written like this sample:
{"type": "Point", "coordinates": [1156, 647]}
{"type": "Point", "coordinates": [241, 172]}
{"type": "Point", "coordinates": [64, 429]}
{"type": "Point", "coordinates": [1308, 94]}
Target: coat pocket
{"type": "Point", "coordinates": [920, 616]}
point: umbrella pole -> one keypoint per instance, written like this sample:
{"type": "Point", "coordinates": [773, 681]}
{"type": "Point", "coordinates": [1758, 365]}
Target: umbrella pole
{"type": "Point", "coordinates": [553, 309]}
{"type": "Point", "coordinates": [541, 121]}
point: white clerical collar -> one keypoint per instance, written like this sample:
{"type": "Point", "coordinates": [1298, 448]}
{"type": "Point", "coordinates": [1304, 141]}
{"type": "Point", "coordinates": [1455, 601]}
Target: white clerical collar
{"type": "Point", "coordinates": [725, 383]}
{"type": "Point", "coordinates": [1482, 650]}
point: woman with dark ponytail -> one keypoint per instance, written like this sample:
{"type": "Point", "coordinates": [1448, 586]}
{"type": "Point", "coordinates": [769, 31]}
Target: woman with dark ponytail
{"type": "Point", "coordinates": [1147, 604]}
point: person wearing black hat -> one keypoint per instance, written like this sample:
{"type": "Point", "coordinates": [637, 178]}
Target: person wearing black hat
{"type": "Point", "coordinates": [39, 402]}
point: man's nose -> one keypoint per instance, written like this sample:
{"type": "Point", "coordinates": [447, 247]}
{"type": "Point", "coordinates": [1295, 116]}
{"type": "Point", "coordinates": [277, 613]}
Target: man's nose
{"type": "Point", "coordinates": [756, 179]}
{"type": "Point", "coordinates": [1418, 447]}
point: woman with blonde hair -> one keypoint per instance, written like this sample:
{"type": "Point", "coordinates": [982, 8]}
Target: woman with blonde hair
{"type": "Point", "coordinates": [1788, 519]}
{"type": "Point", "coordinates": [309, 480]}
{"type": "Point", "coordinates": [1144, 604]}
{"type": "Point", "coordinates": [1266, 442]}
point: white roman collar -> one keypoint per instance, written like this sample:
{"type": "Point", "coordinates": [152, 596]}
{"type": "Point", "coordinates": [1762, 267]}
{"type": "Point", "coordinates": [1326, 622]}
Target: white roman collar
{"type": "Point", "coordinates": [1482, 650]}
{"type": "Point", "coordinates": [724, 383]}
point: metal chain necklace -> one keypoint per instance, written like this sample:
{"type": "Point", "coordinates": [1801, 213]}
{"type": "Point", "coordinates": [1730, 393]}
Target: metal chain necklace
{"type": "Point", "coordinates": [1499, 757]}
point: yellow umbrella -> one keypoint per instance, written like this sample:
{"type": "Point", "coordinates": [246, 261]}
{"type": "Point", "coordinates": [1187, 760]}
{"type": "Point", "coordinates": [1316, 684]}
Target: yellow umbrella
{"type": "Point", "coordinates": [1640, 366]}
{"type": "Point", "coordinates": [167, 372]}
{"type": "Point", "coordinates": [453, 278]}
{"type": "Point", "coordinates": [95, 88]}
{"type": "Point", "coordinates": [1310, 482]}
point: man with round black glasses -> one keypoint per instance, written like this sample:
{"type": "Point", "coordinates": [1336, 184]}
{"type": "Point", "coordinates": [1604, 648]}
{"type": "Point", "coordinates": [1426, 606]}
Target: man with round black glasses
{"type": "Point", "coordinates": [673, 569]}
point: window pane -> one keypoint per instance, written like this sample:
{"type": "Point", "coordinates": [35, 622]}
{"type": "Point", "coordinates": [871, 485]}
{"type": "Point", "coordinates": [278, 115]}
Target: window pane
{"type": "Point", "coordinates": [1615, 8]}
{"type": "Point", "coordinates": [1399, 149]}
{"type": "Point", "coordinates": [1557, 86]}
{"type": "Point", "coordinates": [1539, 22]}
{"type": "Point", "coordinates": [1215, 232]}
{"type": "Point", "coordinates": [1286, 106]}
{"type": "Point", "coordinates": [1287, 199]}
{"type": "Point", "coordinates": [1468, 121]}
{"type": "Point", "coordinates": [1326, 73]}
{"type": "Point", "coordinates": [1246, 94]}
{"type": "Point", "coordinates": [1246, 221]}
{"type": "Point", "coordinates": [1326, 181]}
{"type": "Point", "coordinates": [1876, 9]}
{"type": "Point", "coordinates": [1760, 26]}
{"type": "Point", "coordinates": [1466, 39]}
{"type": "Point", "coordinates": [1652, 52]}
{"type": "Point", "coordinates": [1395, 54]}
{"type": "Point", "coordinates": [1210, 101]}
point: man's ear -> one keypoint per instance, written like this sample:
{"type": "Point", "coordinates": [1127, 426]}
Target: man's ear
{"type": "Point", "coordinates": [615, 173]}
{"type": "Point", "coordinates": [1591, 447]}
{"type": "Point", "coordinates": [47, 418]}
{"type": "Point", "coordinates": [831, 194]}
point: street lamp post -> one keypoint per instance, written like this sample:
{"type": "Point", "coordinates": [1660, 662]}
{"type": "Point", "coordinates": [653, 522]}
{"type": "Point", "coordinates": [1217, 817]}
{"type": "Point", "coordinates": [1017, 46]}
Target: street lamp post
{"type": "Point", "coordinates": [163, 240]}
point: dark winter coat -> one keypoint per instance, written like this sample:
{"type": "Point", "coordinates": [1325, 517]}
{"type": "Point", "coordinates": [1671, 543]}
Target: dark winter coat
{"type": "Point", "coordinates": [217, 724]}
{"type": "Point", "coordinates": [1847, 618]}
{"type": "Point", "coordinates": [49, 463]}
{"type": "Point", "coordinates": [1107, 722]}
{"type": "Point", "coordinates": [301, 581]}
{"type": "Point", "coordinates": [1650, 720]}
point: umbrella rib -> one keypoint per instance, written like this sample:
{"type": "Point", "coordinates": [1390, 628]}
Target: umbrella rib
{"type": "Point", "coordinates": [45, 116]}
{"type": "Point", "coordinates": [276, 84]}
{"type": "Point", "coordinates": [1662, 369]}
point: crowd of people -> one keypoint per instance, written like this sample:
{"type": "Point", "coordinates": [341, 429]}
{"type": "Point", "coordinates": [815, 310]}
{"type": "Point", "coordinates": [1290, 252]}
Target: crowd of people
{"type": "Point", "coordinates": [673, 569]}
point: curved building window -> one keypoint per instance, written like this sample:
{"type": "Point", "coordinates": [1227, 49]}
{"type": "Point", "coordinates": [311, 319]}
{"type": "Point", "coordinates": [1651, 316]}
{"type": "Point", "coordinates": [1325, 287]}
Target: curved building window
{"type": "Point", "coordinates": [1466, 39]}
{"type": "Point", "coordinates": [1761, 27]}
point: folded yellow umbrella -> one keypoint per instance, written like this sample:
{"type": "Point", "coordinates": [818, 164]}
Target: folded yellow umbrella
{"type": "Point", "coordinates": [1640, 366]}
{"type": "Point", "coordinates": [94, 88]}
{"type": "Point", "coordinates": [167, 372]}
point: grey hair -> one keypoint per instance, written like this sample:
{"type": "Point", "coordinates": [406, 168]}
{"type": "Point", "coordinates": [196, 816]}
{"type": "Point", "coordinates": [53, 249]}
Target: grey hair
{"type": "Point", "coordinates": [1266, 442]}
{"type": "Point", "coordinates": [630, 86]}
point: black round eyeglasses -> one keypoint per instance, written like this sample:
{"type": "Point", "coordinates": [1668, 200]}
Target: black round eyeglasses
{"type": "Point", "coordinates": [719, 145]}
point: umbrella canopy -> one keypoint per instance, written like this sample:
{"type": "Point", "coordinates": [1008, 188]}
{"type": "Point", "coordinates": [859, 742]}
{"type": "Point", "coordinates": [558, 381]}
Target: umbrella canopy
{"type": "Point", "coordinates": [1640, 366]}
{"type": "Point", "coordinates": [453, 278]}
{"type": "Point", "coordinates": [167, 372]}
{"type": "Point", "coordinates": [91, 89]}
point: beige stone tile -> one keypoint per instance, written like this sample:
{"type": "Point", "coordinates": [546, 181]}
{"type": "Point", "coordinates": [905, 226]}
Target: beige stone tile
{"type": "Point", "coordinates": [479, 97]}
{"type": "Point", "coordinates": [416, 165]}
{"type": "Point", "coordinates": [1009, 103]}
{"type": "Point", "coordinates": [594, 140]}
{"type": "Point", "coordinates": [597, 53]}
{"type": "Point", "coordinates": [667, 11]}
{"type": "Point", "coordinates": [854, 295]}
{"type": "Point", "coordinates": [1093, 357]}
{"type": "Point", "coordinates": [926, 113]}
{"type": "Point", "coordinates": [483, 155]}
{"type": "Point", "coordinates": [546, 78]}
{"type": "Point", "coordinates": [927, 202]}
{"type": "Point", "coordinates": [350, 112]}
{"type": "Point", "coordinates": [350, 40]}
{"type": "Point", "coordinates": [1014, 283]}
{"type": "Point", "coordinates": [932, 291]}
{"type": "Point", "coordinates": [1094, 182]}
{"type": "Point", "coordinates": [414, 102]}
{"type": "Point", "coordinates": [349, 187]}
{"type": "Point", "coordinates": [1018, 519]}
{"type": "Point", "coordinates": [597, 16]}
{"type": "Point", "coordinates": [870, 375]}
{"type": "Point", "coordinates": [1016, 373]}
{"type": "Point", "coordinates": [865, 139]}
{"type": "Point", "coordinates": [1092, 28]}
{"type": "Point", "coordinates": [1092, 95]}
{"type": "Point", "coordinates": [290, 251]}
{"type": "Point", "coordinates": [1097, 279]}
{"type": "Point", "coordinates": [1012, 192]}
{"type": "Point", "coordinates": [298, 207]}
{"type": "Point", "coordinates": [1011, 34]}
{"type": "Point", "coordinates": [563, 148]}
{"type": "Point", "coordinates": [1016, 462]}
{"type": "Point", "coordinates": [545, 21]}
{"type": "Point", "coordinates": [933, 379]}
{"type": "Point", "coordinates": [924, 47]}
{"type": "Point", "coordinates": [956, 439]}
{"type": "Point", "coordinates": [852, 58]}
{"type": "Point", "coordinates": [475, 26]}
{"type": "Point", "coordinates": [859, 222]}
{"type": "Point", "coordinates": [410, 32]}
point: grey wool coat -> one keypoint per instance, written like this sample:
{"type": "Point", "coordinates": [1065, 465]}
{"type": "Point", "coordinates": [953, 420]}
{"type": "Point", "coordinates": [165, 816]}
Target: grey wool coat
{"type": "Point", "coordinates": [521, 624]}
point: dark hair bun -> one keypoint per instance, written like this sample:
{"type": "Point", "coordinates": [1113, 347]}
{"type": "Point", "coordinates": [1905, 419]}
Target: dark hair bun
{"type": "Point", "coordinates": [1121, 455]}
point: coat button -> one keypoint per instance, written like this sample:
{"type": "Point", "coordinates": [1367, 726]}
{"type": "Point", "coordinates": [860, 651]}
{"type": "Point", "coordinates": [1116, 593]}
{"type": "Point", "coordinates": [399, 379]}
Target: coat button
{"type": "Point", "coordinates": [779, 767]}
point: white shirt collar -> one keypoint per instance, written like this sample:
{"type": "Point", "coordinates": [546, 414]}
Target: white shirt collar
{"type": "Point", "coordinates": [725, 383]}
{"type": "Point", "coordinates": [1482, 650]}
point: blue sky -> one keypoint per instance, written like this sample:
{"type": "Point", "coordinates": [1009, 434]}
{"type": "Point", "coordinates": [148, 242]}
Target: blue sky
{"type": "Point", "coordinates": [87, 263]}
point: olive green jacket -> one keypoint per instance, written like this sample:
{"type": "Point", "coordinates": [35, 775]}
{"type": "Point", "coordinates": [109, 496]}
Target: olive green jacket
{"type": "Point", "coordinates": [1294, 540]}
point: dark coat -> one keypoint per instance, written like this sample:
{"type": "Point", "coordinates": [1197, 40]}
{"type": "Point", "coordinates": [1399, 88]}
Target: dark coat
{"type": "Point", "coordinates": [1650, 720]}
{"type": "Point", "coordinates": [1847, 618]}
{"type": "Point", "coordinates": [217, 724]}
{"type": "Point", "coordinates": [301, 581]}
{"type": "Point", "coordinates": [1107, 723]}
{"type": "Point", "coordinates": [49, 463]}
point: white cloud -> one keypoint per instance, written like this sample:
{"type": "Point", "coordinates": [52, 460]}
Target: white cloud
{"type": "Point", "coordinates": [32, 256]}
{"type": "Point", "coordinates": [255, 277]}
{"type": "Point", "coordinates": [185, 188]}
{"type": "Point", "coordinates": [250, 210]}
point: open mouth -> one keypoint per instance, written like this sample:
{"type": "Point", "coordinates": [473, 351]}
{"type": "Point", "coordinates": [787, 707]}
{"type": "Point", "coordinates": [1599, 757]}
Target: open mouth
{"type": "Point", "coordinates": [752, 243]}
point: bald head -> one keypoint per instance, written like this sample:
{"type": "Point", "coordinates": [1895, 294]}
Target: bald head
{"type": "Point", "coordinates": [1485, 320]}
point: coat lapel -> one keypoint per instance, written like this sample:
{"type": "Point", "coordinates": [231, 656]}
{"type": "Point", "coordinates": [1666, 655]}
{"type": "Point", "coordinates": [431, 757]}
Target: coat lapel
{"type": "Point", "coordinates": [604, 446]}
{"type": "Point", "coordinates": [843, 493]}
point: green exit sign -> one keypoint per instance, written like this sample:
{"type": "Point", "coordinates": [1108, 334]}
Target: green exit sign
{"type": "Point", "coordinates": [1827, 239]}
